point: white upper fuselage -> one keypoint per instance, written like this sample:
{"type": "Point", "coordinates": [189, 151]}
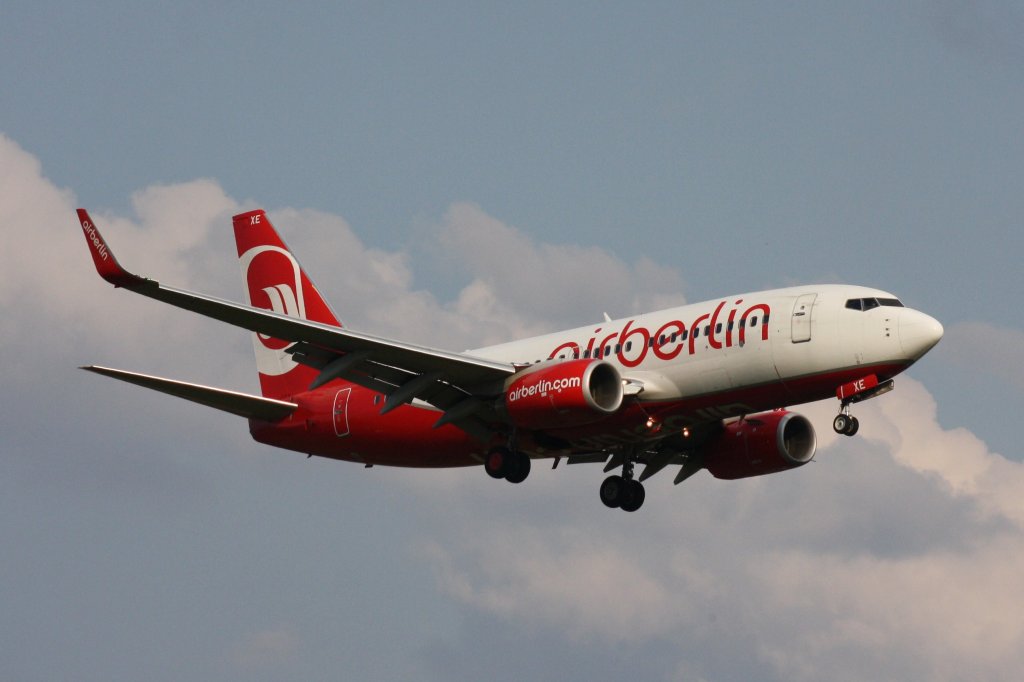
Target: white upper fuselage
{"type": "Point", "coordinates": [740, 341]}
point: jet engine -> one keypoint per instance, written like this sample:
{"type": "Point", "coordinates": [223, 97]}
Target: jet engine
{"type": "Point", "coordinates": [563, 394]}
{"type": "Point", "coordinates": [761, 444]}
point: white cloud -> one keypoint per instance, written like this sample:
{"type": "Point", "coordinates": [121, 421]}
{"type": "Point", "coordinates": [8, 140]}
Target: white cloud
{"type": "Point", "coordinates": [947, 615]}
{"type": "Point", "coordinates": [32, 211]}
{"type": "Point", "coordinates": [548, 281]}
{"type": "Point", "coordinates": [909, 430]}
{"type": "Point", "coordinates": [897, 554]}
{"type": "Point", "coordinates": [561, 579]}
{"type": "Point", "coordinates": [180, 235]}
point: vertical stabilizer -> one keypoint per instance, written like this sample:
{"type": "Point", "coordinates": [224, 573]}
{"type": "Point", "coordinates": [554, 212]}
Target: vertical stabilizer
{"type": "Point", "coordinates": [275, 281]}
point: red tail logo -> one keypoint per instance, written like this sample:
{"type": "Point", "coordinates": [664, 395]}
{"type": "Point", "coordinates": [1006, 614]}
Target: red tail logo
{"type": "Point", "coordinates": [275, 281]}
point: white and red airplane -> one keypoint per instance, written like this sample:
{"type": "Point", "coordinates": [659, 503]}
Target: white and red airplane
{"type": "Point", "coordinates": [701, 386]}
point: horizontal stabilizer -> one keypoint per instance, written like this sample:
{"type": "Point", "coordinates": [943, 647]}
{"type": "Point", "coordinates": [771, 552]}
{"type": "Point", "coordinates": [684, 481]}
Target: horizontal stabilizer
{"type": "Point", "coordinates": [242, 404]}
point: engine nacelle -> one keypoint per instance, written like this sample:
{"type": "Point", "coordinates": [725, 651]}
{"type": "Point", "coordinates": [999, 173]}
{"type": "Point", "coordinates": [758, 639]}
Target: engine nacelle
{"type": "Point", "coordinates": [564, 394]}
{"type": "Point", "coordinates": [761, 444]}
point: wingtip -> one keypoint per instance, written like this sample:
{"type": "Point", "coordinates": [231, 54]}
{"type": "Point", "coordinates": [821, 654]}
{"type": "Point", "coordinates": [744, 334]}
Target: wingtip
{"type": "Point", "coordinates": [102, 257]}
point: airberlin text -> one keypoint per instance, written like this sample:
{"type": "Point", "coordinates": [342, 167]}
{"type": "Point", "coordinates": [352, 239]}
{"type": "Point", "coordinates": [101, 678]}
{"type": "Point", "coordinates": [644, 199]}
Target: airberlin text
{"type": "Point", "coordinates": [543, 387]}
{"type": "Point", "coordinates": [97, 243]}
{"type": "Point", "coordinates": [631, 344]}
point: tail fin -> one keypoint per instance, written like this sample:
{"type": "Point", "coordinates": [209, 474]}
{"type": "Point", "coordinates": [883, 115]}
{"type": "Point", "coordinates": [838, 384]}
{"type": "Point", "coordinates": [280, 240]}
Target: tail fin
{"type": "Point", "coordinates": [275, 281]}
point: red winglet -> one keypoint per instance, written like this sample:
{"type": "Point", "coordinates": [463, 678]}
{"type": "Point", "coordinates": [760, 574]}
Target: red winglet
{"type": "Point", "coordinates": [103, 257]}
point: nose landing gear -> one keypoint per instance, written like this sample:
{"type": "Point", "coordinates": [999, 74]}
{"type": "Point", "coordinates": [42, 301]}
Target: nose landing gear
{"type": "Point", "coordinates": [856, 392]}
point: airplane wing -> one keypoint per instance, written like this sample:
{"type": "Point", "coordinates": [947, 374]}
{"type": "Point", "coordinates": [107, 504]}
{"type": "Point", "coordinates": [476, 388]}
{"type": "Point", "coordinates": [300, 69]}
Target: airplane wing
{"type": "Point", "coordinates": [449, 381]}
{"type": "Point", "coordinates": [242, 404]}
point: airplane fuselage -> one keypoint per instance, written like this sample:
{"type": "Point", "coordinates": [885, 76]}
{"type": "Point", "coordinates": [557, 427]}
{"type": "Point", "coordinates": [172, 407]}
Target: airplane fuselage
{"type": "Point", "coordinates": [696, 363]}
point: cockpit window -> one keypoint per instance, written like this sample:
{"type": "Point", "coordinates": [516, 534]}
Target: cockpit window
{"type": "Point", "coordinates": [869, 303]}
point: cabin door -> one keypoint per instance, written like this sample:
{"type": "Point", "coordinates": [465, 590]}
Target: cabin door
{"type": "Point", "coordinates": [802, 318]}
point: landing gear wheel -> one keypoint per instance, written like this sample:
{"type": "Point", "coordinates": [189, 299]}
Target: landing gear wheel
{"type": "Point", "coordinates": [519, 468]}
{"type": "Point", "coordinates": [497, 461]}
{"type": "Point", "coordinates": [634, 497]}
{"type": "Point", "coordinates": [845, 424]}
{"type": "Point", "coordinates": [501, 462]}
{"type": "Point", "coordinates": [612, 491]}
{"type": "Point", "coordinates": [622, 493]}
{"type": "Point", "coordinates": [853, 427]}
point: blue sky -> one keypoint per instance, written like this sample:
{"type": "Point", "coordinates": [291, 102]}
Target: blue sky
{"type": "Point", "coordinates": [457, 174]}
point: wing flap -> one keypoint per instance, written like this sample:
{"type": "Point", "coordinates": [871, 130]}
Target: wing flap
{"type": "Point", "coordinates": [458, 406]}
{"type": "Point", "coordinates": [241, 404]}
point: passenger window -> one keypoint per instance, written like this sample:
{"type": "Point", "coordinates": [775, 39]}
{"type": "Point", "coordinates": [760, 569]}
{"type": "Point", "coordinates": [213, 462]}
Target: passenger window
{"type": "Point", "coordinates": [753, 321]}
{"type": "Point", "coordinates": [685, 334]}
{"type": "Point", "coordinates": [674, 336]}
{"type": "Point", "coordinates": [629, 346]}
{"type": "Point", "coordinates": [718, 328]}
{"type": "Point", "coordinates": [586, 354]}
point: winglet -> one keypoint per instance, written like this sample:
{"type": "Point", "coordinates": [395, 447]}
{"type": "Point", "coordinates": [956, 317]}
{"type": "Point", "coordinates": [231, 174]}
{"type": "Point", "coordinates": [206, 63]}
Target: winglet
{"type": "Point", "coordinates": [103, 257]}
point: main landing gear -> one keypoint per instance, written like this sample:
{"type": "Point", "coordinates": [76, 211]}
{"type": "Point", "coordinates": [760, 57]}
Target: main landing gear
{"type": "Point", "coordinates": [503, 462]}
{"type": "Point", "coordinates": [623, 492]}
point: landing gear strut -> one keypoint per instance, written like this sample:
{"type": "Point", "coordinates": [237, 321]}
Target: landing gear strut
{"type": "Point", "coordinates": [623, 492]}
{"type": "Point", "coordinates": [503, 462]}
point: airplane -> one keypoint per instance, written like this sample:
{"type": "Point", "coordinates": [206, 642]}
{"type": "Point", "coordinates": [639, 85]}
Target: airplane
{"type": "Point", "coordinates": [701, 386]}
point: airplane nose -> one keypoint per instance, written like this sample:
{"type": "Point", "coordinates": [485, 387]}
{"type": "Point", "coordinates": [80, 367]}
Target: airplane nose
{"type": "Point", "coordinates": [918, 332]}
